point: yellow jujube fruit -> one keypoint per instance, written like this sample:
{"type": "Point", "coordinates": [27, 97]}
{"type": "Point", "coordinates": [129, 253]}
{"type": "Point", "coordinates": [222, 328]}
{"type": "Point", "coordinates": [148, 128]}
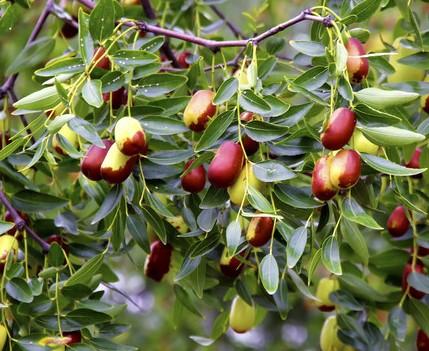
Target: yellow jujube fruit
{"type": "Point", "coordinates": [237, 191]}
{"type": "Point", "coordinates": [360, 143]}
{"type": "Point", "coordinates": [3, 337]}
{"type": "Point", "coordinates": [179, 223]}
{"type": "Point", "coordinates": [329, 340]}
{"type": "Point", "coordinates": [7, 243]}
{"type": "Point", "coordinates": [325, 287]}
{"type": "Point", "coordinates": [54, 343]}
{"type": "Point", "coordinates": [242, 315]}
{"type": "Point", "coordinates": [67, 133]}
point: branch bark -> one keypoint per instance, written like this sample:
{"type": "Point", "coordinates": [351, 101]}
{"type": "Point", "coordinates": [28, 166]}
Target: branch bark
{"type": "Point", "coordinates": [233, 28]}
{"type": "Point", "coordinates": [21, 224]}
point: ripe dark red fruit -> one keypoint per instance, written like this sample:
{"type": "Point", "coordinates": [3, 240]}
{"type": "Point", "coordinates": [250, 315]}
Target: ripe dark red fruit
{"type": "Point", "coordinates": [422, 251]}
{"type": "Point", "coordinates": [231, 266]}
{"type": "Point", "coordinates": [91, 163]}
{"type": "Point", "coordinates": [199, 110]}
{"type": "Point", "coordinates": [415, 161]}
{"type": "Point", "coordinates": [158, 261]}
{"type": "Point", "coordinates": [422, 341]}
{"type": "Point", "coordinates": [397, 223]}
{"type": "Point", "coordinates": [119, 97]}
{"type": "Point", "coordinates": [68, 30]}
{"type": "Point", "coordinates": [340, 129]}
{"type": "Point", "coordinates": [182, 59]}
{"type": "Point", "coordinates": [426, 104]}
{"type": "Point", "coordinates": [259, 231]}
{"type": "Point", "coordinates": [250, 146]}
{"type": "Point", "coordinates": [419, 268]}
{"type": "Point", "coordinates": [195, 180]}
{"type": "Point", "coordinates": [116, 166]}
{"type": "Point", "coordinates": [74, 337]}
{"type": "Point", "coordinates": [321, 181]}
{"type": "Point", "coordinates": [226, 165]}
{"type": "Point", "coordinates": [357, 67]}
{"type": "Point", "coordinates": [345, 169]}
{"type": "Point", "coordinates": [104, 63]}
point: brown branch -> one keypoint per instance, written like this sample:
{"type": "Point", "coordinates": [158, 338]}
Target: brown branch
{"type": "Point", "coordinates": [234, 29]}
{"type": "Point", "coordinates": [20, 222]}
{"type": "Point", "coordinates": [165, 49]}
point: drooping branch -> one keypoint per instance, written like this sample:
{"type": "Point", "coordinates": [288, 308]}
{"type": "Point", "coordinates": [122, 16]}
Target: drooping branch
{"type": "Point", "coordinates": [165, 49]}
{"type": "Point", "coordinates": [20, 222]}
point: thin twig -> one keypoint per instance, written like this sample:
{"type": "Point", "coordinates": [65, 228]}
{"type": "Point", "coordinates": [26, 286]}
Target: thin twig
{"type": "Point", "coordinates": [123, 294]}
{"type": "Point", "coordinates": [20, 222]}
{"type": "Point", "coordinates": [165, 49]}
{"type": "Point", "coordinates": [13, 98]}
{"type": "Point", "coordinates": [234, 29]}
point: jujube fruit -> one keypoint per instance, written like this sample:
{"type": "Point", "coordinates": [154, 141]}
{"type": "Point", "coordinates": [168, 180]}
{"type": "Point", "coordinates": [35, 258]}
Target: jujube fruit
{"type": "Point", "coordinates": [321, 184]}
{"type": "Point", "coordinates": [360, 143]}
{"type": "Point", "coordinates": [398, 223]}
{"type": "Point", "coordinates": [116, 166]}
{"type": "Point", "coordinates": [158, 261]}
{"type": "Point", "coordinates": [67, 133]}
{"type": "Point", "coordinates": [250, 146]}
{"type": "Point", "coordinates": [182, 59]}
{"type": "Point", "coordinates": [118, 98]}
{"type": "Point", "coordinates": [418, 268]}
{"type": "Point", "coordinates": [3, 337]}
{"type": "Point", "coordinates": [422, 341]}
{"type": "Point", "coordinates": [345, 169]}
{"type": "Point", "coordinates": [226, 166]}
{"type": "Point", "coordinates": [54, 343]}
{"type": "Point", "coordinates": [259, 231]}
{"type": "Point", "coordinates": [414, 162]}
{"type": "Point", "coordinates": [237, 191]}
{"type": "Point", "coordinates": [92, 161]}
{"type": "Point", "coordinates": [178, 223]}
{"type": "Point", "coordinates": [242, 316]}
{"type": "Point", "coordinates": [104, 62]}
{"type": "Point", "coordinates": [74, 337]}
{"type": "Point", "coordinates": [130, 136]}
{"type": "Point", "coordinates": [339, 129]}
{"type": "Point", "coordinates": [200, 110]}
{"type": "Point", "coordinates": [325, 287]}
{"type": "Point", "coordinates": [357, 67]}
{"type": "Point", "coordinates": [8, 246]}
{"type": "Point", "coordinates": [231, 266]}
{"type": "Point", "coordinates": [195, 180]}
{"type": "Point", "coordinates": [329, 340]}
{"type": "Point", "coordinates": [68, 30]}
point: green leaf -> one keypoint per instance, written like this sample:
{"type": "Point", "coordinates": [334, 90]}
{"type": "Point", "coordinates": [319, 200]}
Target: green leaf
{"type": "Point", "coordinates": [269, 274]}
{"type": "Point", "coordinates": [391, 136]}
{"type": "Point", "coordinates": [40, 100]}
{"type": "Point", "coordinates": [379, 98]}
{"type": "Point", "coordinates": [331, 255]}
{"type": "Point", "coordinates": [226, 91]}
{"type": "Point", "coordinates": [91, 92]}
{"type": "Point", "coordinates": [353, 236]}
{"type": "Point", "coordinates": [264, 131]}
{"type": "Point", "coordinates": [309, 48]}
{"type": "Point", "coordinates": [295, 197]}
{"type": "Point", "coordinates": [159, 125]}
{"type": "Point", "coordinates": [272, 171]}
{"type": "Point", "coordinates": [133, 58]}
{"type": "Point", "coordinates": [251, 102]}
{"type": "Point", "coordinates": [301, 286]}
{"type": "Point", "coordinates": [215, 130]}
{"type": "Point", "coordinates": [296, 246]}
{"type": "Point", "coordinates": [419, 60]}
{"type": "Point", "coordinates": [86, 272]}
{"type": "Point", "coordinates": [102, 20]}
{"type": "Point", "coordinates": [313, 79]}
{"type": "Point", "coordinates": [109, 204]}
{"type": "Point", "coordinates": [86, 130]}
{"type": "Point", "coordinates": [258, 201]}
{"type": "Point", "coordinates": [69, 65]}
{"type": "Point", "coordinates": [32, 55]}
{"type": "Point", "coordinates": [9, 18]}
{"type": "Point", "coordinates": [364, 10]}
{"type": "Point", "coordinates": [86, 44]}
{"type": "Point", "coordinates": [11, 148]}
{"type": "Point", "coordinates": [85, 317]}
{"type": "Point", "coordinates": [32, 201]}
{"type": "Point", "coordinates": [398, 323]}
{"type": "Point", "coordinates": [355, 213]}
{"type": "Point", "coordinates": [387, 167]}
{"type": "Point", "coordinates": [170, 157]}
{"type": "Point", "coordinates": [5, 226]}
{"type": "Point", "coordinates": [153, 44]}
{"type": "Point", "coordinates": [112, 81]}
{"type": "Point", "coordinates": [419, 282]}
{"type": "Point", "coordinates": [19, 290]}
{"type": "Point", "coordinates": [160, 84]}
{"type": "Point", "coordinates": [233, 237]}
{"type": "Point", "coordinates": [214, 197]}
{"type": "Point", "coordinates": [137, 228]}
{"type": "Point", "coordinates": [155, 221]}
{"type": "Point", "coordinates": [359, 288]}
{"type": "Point", "coordinates": [419, 311]}
{"type": "Point", "coordinates": [55, 255]}
{"type": "Point", "coordinates": [184, 298]}
{"type": "Point", "coordinates": [205, 246]}
{"type": "Point", "coordinates": [340, 58]}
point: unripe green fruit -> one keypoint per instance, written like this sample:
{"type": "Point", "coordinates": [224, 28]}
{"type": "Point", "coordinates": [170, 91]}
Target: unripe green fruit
{"type": "Point", "coordinates": [199, 110]}
{"type": "Point", "coordinates": [116, 166]}
{"type": "Point", "coordinates": [179, 223]}
{"type": "Point", "coordinates": [68, 134]}
{"type": "Point", "coordinates": [329, 340]}
{"type": "Point", "coordinates": [404, 73]}
{"type": "Point", "coordinates": [130, 137]}
{"type": "Point", "coordinates": [325, 287]}
{"type": "Point", "coordinates": [237, 192]}
{"type": "Point", "coordinates": [3, 337]}
{"type": "Point", "coordinates": [242, 316]}
{"type": "Point", "coordinates": [7, 244]}
{"type": "Point", "coordinates": [360, 143]}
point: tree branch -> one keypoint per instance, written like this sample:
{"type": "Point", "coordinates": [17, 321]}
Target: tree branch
{"type": "Point", "coordinates": [165, 49]}
{"type": "Point", "coordinates": [234, 29]}
{"type": "Point", "coordinates": [10, 82]}
{"type": "Point", "coordinates": [21, 224]}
